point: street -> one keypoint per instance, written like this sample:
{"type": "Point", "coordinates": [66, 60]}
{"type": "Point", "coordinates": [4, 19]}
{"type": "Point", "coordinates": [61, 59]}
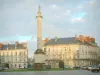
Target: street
{"type": "Point", "coordinates": [68, 72]}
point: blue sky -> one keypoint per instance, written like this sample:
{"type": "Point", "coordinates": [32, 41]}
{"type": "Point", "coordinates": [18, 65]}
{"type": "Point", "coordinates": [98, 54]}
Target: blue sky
{"type": "Point", "coordinates": [61, 18]}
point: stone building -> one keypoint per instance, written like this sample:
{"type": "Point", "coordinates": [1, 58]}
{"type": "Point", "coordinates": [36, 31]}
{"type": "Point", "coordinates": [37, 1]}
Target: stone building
{"type": "Point", "coordinates": [74, 51]}
{"type": "Point", "coordinates": [15, 55]}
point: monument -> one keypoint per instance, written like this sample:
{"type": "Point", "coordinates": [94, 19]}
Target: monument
{"type": "Point", "coordinates": [39, 55]}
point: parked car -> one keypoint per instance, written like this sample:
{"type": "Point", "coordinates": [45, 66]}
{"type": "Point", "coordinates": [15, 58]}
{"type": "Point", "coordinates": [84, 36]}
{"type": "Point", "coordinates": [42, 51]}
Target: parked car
{"type": "Point", "coordinates": [89, 68]}
{"type": "Point", "coordinates": [66, 67]}
{"type": "Point", "coordinates": [2, 69]}
{"type": "Point", "coordinates": [22, 67]}
{"type": "Point", "coordinates": [77, 67]}
{"type": "Point", "coordinates": [6, 68]}
{"type": "Point", "coordinates": [71, 67]}
{"type": "Point", "coordinates": [84, 68]}
{"type": "Point", "coordinates": [99, 67]}
{"type": "Point", "coordinates": [95, 68]}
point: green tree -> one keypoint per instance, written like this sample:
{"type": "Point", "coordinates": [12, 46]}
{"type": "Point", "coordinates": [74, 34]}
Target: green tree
{"type": "Point", "coordinates": [61, 64]}
{"type": "Point", "coordinates": [7, 65]}
{"type": "Point", "coordinates": [93, 41]}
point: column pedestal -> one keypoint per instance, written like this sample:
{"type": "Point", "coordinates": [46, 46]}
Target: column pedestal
{"type": "Point", "coordinates": [39, 59]}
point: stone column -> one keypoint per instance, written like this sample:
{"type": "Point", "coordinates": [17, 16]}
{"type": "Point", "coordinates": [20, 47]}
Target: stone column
{"type": "Point", "coordinates": [39, 29]}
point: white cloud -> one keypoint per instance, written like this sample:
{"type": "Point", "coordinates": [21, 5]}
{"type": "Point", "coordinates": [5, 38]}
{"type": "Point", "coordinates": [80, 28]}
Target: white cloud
{"type": "Point", "coordinates": [20, 41]}
{"type": "Point", "coordinates": [51, 31]}
{"type": "Point", "coordinates": [92, 2]}
{"type": "Point", "coordinates": [80, 7]}
{"type": "Point", "coordinates": [72, 30]}
{"type": "Point", "coordinates": [88, 3]}
{"type": "Point", "coordinates": [26, 11]}
{"type": "Point", "coordinates": [54, 6]}
{"type": "Point", "coordinates": [67, 12]}
{"type": "Point", "coordinates": [75, 20]}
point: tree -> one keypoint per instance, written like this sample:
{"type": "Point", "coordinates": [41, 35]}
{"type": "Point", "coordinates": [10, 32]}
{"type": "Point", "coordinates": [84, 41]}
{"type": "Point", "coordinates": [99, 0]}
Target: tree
{"type": "Point", "coordinates": [61, 64]}
{"type": "Point", "coordinates": [7, 65]}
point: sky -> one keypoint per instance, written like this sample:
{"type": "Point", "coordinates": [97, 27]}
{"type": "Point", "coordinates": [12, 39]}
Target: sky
{"type": "Point", "coordinates": [61, 18]}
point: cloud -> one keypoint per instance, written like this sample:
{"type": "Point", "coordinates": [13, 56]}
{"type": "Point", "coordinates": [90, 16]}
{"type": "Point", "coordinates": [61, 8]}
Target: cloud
{"type": "Point", "coordinates": [15, 38]}
{"type": "Point", "coordinates": [79, 14]}
{"type": "Point", "coordinates": [51, 31]}
{"type": "Point", "coordinates": [75, 20]}
{"type": "Point", "coordinates": [19, 17]}
{"type": "Point", "coordinates": [72, 30]}
{"type": "Point", "coordinates": [67, 12]}
{"type": "Point", "coordinates": [34, 39]}
{"type": "Point", "coordinates": [78, 17]}
{"type": "Point", "coordinates": [92, 2]}
{"type": "Point", "coordinates": [54, 6]}
{"type": "Point", "coordinates": [80, 7]}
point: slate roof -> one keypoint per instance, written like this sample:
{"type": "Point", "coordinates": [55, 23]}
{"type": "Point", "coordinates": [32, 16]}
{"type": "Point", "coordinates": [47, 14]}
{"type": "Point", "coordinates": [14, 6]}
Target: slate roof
{"type": "Point", "coordinates": [12, 46]}
{"type": "Point", "coordinates": [69, 40]}
{"type": "Point", "coordinates": [61, 41]}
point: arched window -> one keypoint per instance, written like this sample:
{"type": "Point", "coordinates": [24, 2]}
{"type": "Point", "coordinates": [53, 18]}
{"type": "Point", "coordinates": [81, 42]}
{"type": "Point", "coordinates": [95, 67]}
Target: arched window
{"type": "Point", "coordinates": [11, 65]}
{"type": "Point", "coordinates": [19, 65]}
{"type": "Point", "coordinates": [15, 66]}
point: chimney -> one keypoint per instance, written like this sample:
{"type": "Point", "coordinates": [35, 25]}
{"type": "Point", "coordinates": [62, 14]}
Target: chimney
{"type": "Point", "coordinates": [81, 38]}
{"type": "Point", "coordinates": [1, 45]}
{"type": "Point", "coordinates": [56, 39]}
{"type": "Point", "coordinates": [46, 40]}
{"type": "Point", "coordinates": [75, 37]}
{"type": "Point", "coordinates": [7, 46]}
{"type": "Point", "coordinates": [25, 45]}
{"type": "Point", "coordinates": [16, 44]}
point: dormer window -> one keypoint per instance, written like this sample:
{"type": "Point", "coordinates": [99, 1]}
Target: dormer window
{"type": "Point", "coordinates": [16, 44]}
{"type": "Point", "coordinates": [15, 47]}
{"type": "Point", "coordinates": [56, 39]}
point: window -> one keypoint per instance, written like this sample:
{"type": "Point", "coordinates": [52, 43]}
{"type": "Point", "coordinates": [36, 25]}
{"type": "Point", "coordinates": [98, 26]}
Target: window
{"type": "Point", "coordinates": [16, 59]}
{"type": "Point", "coordinates": [65, 48]}
{"type": "Point", "coordinates": [19, 53]}
{"type": "Point", "coordinates": [44, 49]}
{"type": "Point", "coordinates": [69, 49]}
{"type": "Point", "coordinates": [3, 53]}
{"type": "Point", "coordinates": [16, 53]}
{"type": "Point", "coordinates": [49, 50]}
{"type": "Point", "coordinates": [7, 53]}
{"type": "Point", "coordinates": [24, 60]}
{"type": "Point", "coordinates": [11, 53]}
{"type": "Point", "coordinates": [15, 65]}
{"type": "Point", "coordinates": [19, 65]}
{"type": "Point", "coordinates": [24, 52]}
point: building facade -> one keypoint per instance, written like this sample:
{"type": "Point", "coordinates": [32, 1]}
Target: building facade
{"type": "Point", "coordinates": [74, 51]}
{"type": "Point", "coordinates": [14, 55]}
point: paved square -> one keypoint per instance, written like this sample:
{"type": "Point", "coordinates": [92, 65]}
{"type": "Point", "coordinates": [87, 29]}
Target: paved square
{"type": "Point", "coordinates": [74, 72]}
